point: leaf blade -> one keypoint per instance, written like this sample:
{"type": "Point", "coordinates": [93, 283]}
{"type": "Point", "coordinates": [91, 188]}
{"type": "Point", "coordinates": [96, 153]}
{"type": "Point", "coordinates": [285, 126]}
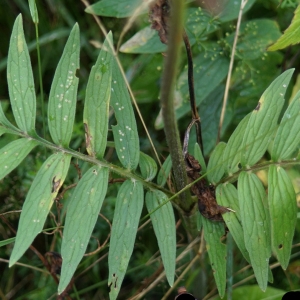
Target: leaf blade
{"type": "Point", "coordinates": [215, 167]}
{"type": "Point", "coordinates": [288, 133]}
{"type": "Point", "coordinates": [38, 202]}
{"type": "Point", "coordinates": [148, 166]}
{"type": "Point", "coordinates": [213, 232]}
{"type": "Point", "coordinates": [163, 222]}
{"type": "Point", "coordinates": [96, 108]}
{"type": "Point", "coordinates": [13, 154]}
{"type": "Point", "coordinates": [20, 80]}
{"type": "Point", "coordinates": [80, 221]}
{"type": "Point", "coordinates": [283, 212]}
{"type": "Point", "coordinates": [263, 120]}
{"type": "Point", "coordinates": [63, 93]}
{"type": "Point", "coordinates": [125, 132]}
{"type": "Point", "coordinates": [256, 224]}
{"type": "Point", "coordinates": [124, 228]}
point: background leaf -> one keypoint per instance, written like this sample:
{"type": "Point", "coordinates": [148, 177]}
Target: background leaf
{"type": "Point", "coordinates": [20, 80]}
{"type": "Point", "coordinates": [12, 154]}
{"type": "Point", "coordinates": [63, 93]}
{"type": "Point", "coordinates": [288, 134]}
{"type": "Point", "coordinates": [163, 222]}
{"type": "Point", "coordinates": [291, 36]}
{"type": "Point", "coordinates": [114, 8]}
{"type": "Point", "coordinates": [95, 114]}
{"type": "Point", "coordinates": [38, 202]}
{"type": "Point", "coordinates": [124, 228]}
{"type": "Point", "coordinates": [256, 224]}
{"type": "Point", "coordinates": [263, 120]}
{"type": "Point", "coordinates": [254, 37]}
{"type": "Point", "coordinates": [283, 212]}
{"type": "Point", "coordinates": [81, 218]}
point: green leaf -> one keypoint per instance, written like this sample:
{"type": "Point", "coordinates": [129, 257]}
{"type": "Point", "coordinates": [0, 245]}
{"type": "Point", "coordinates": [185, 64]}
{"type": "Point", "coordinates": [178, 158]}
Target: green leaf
{"type": "Point", "coordinates": [263, 120]}
{"type": "Point", "coordinates": [230, 10]}
{"type": "Point", "coordinates": [7, 242]}
{"type": "Point", "coordinates": [163, 222]}
{"type": "Point", "coordinates": [20, 80]}
{"type": "Point", "coordinates": [233, 151]}
{"type": "Point", "coordinates": [38, 202]}
{"type": "Point", "coordinates": [283, 212]}
{"type": "Point", "coordinates": [199, 156]}
{"type": "Point", "coordinates": [288, 134]}
{"type": "Point", "coordinates": [291, 35]}
{"type": "Point", "coordinates": [213, 232]}
{"type": "Point", "coordinates": [96, 108]}
{"type": "Point", "coordinates": [114, 8]}
{"type": "Point", "coordinates": [33, 11]}
{"type": "Point", "coordinates": [82, 214]}
{"type": "Point", "coordinates": [254, 37]}
{"type": "Point", "coordinates": [13, 154]}
{"type": "Point", "coordinates": [256, 224]}
{"type": "Point", "coordinates": [199, 24]}
{"type": "Point", "coordinates": [128, 210]}
{"type": "Point", "coordinates": [215, 167]}
{"type": "Point", "coordinates": [144, 41]}
{"type": "Point", "coordinates": [227, 196]}
{"type": "Point", "coordinates": [148, 166]}
{"type": "Point", "coordinates": [5, 122]}
{"type": "Point", "coordinates": [125, 132]}
{"type": "Point", "coordinates": [164, 172]}
{"type": "Point", "coordinates": [63, 93]}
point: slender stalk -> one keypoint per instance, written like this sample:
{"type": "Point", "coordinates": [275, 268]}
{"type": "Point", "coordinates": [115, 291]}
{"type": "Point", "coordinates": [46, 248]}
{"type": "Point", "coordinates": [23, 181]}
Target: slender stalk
{"type": "Point", "coordinates": [195, 116]}
{"type": "Point", "coordinates": [243, 3]}
{"type": "Point", "coordinates": [167, 103]}
{"type": "Point", "coordinates": [40, 76]}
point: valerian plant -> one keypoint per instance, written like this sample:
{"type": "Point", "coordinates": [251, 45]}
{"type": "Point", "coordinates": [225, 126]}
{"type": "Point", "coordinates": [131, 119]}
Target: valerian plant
{"type": "Point", "coordinates": [261, 222]}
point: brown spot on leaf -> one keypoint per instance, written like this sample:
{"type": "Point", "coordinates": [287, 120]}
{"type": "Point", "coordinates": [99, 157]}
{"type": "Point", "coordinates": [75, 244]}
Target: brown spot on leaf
{"type": "Point", "coordinates": [258, 106]}
{"type": "Point", "coordinates": [55, 185]}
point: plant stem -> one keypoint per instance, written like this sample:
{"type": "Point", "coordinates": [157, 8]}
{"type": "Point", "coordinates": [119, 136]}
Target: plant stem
{"type": "Point", "coordinates": [167, 103]}
{"type": "Point", "coordinates": [243, 4]}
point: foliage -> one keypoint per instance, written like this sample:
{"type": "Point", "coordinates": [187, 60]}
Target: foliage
{"type": "Point", "coordinates": [253, 172]}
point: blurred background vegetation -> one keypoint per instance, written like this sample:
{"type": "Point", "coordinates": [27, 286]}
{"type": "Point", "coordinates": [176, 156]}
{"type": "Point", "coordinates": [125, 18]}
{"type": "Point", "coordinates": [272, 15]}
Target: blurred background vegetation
{"type": "Point", "coordinates": [254, 70]}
